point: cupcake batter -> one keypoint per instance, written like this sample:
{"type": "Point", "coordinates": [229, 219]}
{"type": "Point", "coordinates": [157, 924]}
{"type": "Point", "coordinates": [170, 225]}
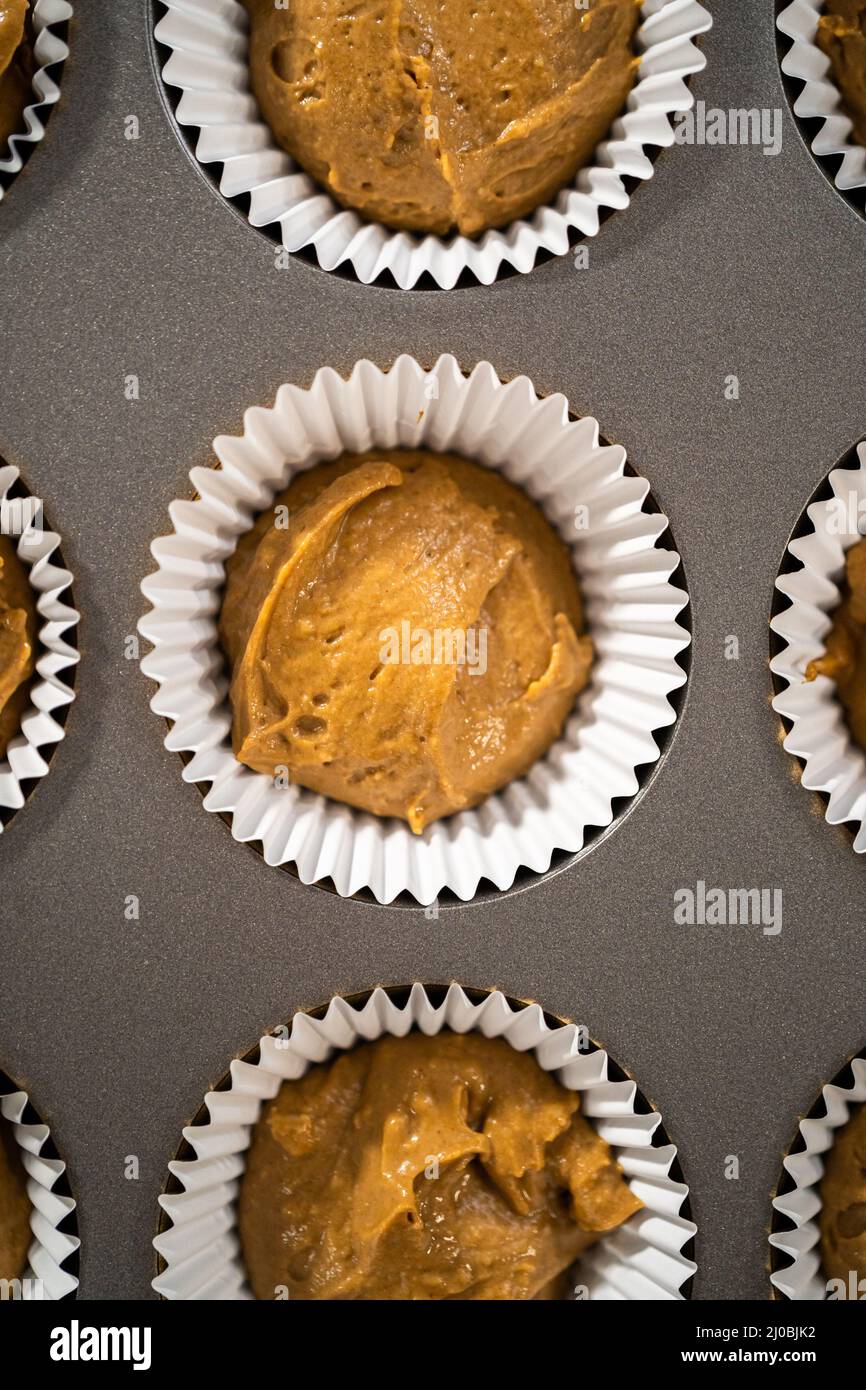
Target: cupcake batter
{"type": "Point", "coordinates": [843, 1198]}
{"type": "Point", "coordinates": [842, 36]}
{"type": "Point", "coordinates": [845, 658]}
{"type": "Point", "coordinates": [331, 623]}
{"type": "Point", "coordinates": [17, 641]}
{"type": "Point", "coordinates": [432, 116]}
{"type": "Point", "coordinates": [14, 1207]}
{"type": "Point", "coordinates": [425, 1168]}
{"type": "Point", "coordinates": [16, 68]}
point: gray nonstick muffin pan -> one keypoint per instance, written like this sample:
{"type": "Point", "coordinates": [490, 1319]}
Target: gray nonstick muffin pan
{"type": "Point", "coordinates": [119, 259]}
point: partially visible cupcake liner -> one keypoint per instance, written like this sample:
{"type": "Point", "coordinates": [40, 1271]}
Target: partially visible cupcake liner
{"type": "Point", "coordinates": [833, 763]}
{"type": "Point", "coordinates": [834, 145]}
{"type": "Point", "coordinates": [208, 64]}
{"type": "Point", "coordinates": [48, 18]}
{"type": "Point", "coordinates": [200, 1251]}
{"type": "Point", "coordinates": [803, 1279]}
{"type": "Point", "coordinates": [632, 609]}
{"type": "Point", "coordinates": [27, 758]}
{"type": "Point", "coordinates": [52, 1264]}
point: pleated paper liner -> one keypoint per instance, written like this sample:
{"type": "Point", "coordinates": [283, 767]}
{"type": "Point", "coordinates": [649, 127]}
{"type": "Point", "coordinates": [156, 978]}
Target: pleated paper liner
{"type": "Point", "coordinates": [52, 687]}
{"type": "Point", "coordinates": [796, 1271]}
{"type": "Point", "coordinates": [202, 53]}
{"type": "Point", "coordinates": [808, 589]}
{"type": "Point", "coordinates": [50, 27]}
{"type": "Point", "coordinates": [816, 102]}
{"type": "Point", "coordinates": [560, 859]}
{"type": "Point", "coordinates": [649, 1257]}
{"type": "Point", "coordinates": [51, 1271]}
{"type": "Point", "coordinates": [633, 610]}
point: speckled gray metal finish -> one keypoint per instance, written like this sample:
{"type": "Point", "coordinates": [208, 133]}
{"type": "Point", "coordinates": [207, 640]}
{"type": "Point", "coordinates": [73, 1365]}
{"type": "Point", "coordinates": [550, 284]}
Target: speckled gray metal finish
{"type": "Point", "coordinates": [117, 258]}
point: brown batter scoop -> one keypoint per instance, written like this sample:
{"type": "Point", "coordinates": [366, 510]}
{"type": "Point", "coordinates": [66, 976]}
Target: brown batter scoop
{"type": "Point", "coordinates": [842, 36]}
{"type": "Point", "coordinates": [17, 641]}
{"type": "Point", "coordinates": [843, 1198]}
{"type": "Point", "coordinates": [16, 69]}
{"type": "Point", "coordinates": [331, 624]}
{"type": "Point", "coordinates": [436, 115]}
{"type": "Point", "coordinates": [845, 658]}
{"type": "Point", "coordinates": [14, 1207]}
{"type": "Point", "coordinates": [447, 1167]}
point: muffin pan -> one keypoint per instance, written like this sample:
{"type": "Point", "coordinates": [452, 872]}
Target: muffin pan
{"type": "Point", "coordinates": [142, 946]}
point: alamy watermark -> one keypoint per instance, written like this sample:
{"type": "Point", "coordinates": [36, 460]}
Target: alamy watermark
{"type": "Point", "coordinates": [439, 646]}
{"type": "Point", "coordinates": [25, 1290]}
{"type": "Point", "coordinates": [729, 907]}
{"type": "Point", "coordinates": [844, 1290]}
{"type": "Point", "coordinates": [703, 125]}
{"type": "Point", "coordinates": [83, 1343]}
{"type": "Point", "coordinates": [22, 517]}
{"type": "Point", "coordinates": [846, 514]}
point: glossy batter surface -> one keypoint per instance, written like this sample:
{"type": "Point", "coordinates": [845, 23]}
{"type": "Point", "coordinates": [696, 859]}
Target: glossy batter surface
{"type": "Point", "coordinates": [17, 641]}
{"type": "Point", "coordinates": [842, 36]}
{"type": "Point", "coordinates": [14, 1207]}
{"type": "Point", "coordinates": [346, 606]}
{"type": "Point", "coordinates": [436, 115]}
{"type": "Point", "coordinates": [425, 1168]}
{"type": "Point", "coordinates": [16, 68]}
{"type": "Point", "coordinates": [845, 658]}
{"type": "Point", "coordinates": [843, 1197]}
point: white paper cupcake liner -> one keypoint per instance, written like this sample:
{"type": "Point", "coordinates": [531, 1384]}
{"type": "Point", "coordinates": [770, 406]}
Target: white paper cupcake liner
{"type": "Point", "coordinates": [643, 1259]}
{"type": "Point", "coordinates": [49, 49]}
{"type": "Point", "coordinates": [27, 757]}
{"type": "Point", "coordinates": [631, 607]}
{"type": "Point", "coordinates": [820, 99]}
{"type": "Point", "coordinates": [45, 1275]}
{"type": "Point", "coordinates": [208, 63]}
{"type": "Point", "coordinates": [834, 764]}
{"type": "Point", "coordinates": [803, 1279]}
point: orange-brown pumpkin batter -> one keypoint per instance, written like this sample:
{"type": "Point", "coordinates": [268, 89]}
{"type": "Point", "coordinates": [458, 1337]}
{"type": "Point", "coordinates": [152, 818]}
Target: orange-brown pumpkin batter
{"type": "Point", "coordinates": [17, 641]}
{"type": "Point", "coordinates": [845, 658]}
{"type": "Point", "coordinates": [16, 68]}
{"type": "Point", "coordinates": [842, 36]}
{"type": "Point", "coordinates": [14, 1207]}
{"type": "Point", "coordinates": [843, 1199]}
{"type": "Point", "coordinates": [425, 1168]}
{"type": "Point", "coordinates": [436, 115]}
{"type": "Point", "coordinates": [347, 609]}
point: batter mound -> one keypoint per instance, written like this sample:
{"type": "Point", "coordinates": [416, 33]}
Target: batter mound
{"type": "Point", "coordinates": [842, 36]}
{"type": "Point", "coordinates": [17, 641]}
{"type": "Point", "coordinates": [843, 1198]}
{"type": "Point", "coordinates": [442, 115]}
{"type": "Point", "coordinates": [425, 1168]}
{"type": "Point", "coordinates": [14, 1207]}
{"type": "Point", "coordinates": [16, 68]}
{"type": "Point", "coordinates": [845, 658]}
{"type": "Point", "coordinates": [402, 630]}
